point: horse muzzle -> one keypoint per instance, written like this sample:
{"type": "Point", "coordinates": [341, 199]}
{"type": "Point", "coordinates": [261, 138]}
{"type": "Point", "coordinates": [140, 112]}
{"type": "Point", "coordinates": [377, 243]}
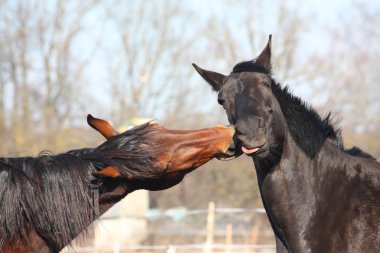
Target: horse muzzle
{"type": "Point", "coordinates": [233, 150]}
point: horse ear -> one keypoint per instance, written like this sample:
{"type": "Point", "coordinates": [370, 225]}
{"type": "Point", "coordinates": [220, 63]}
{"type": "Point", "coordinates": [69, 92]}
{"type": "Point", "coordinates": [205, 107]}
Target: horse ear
{"type": "Point", "coordinates": [102, 126]}
{"type": "Point", "coordinates": [213, 78]}
{"type": "Point", "coordinates": [264, 59]}
{"type": "Point", "coordinates": [109, 171]}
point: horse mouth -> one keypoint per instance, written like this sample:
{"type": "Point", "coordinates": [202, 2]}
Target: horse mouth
{"type": "Point", "coordinates": [225, 158]}
{"type": "Point", "coordinates": [228, 155]}
{"type": "Point", "coordinates": [249, 150]}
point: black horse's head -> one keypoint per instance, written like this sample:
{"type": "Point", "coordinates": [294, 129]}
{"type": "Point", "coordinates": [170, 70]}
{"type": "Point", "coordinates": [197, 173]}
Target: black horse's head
{"type": "Point", "coordinates": [251, 107]}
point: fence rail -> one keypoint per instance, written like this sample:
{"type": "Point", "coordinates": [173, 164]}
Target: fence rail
{"type": "Point", "coordinates": [262, 248]}
{"type": "Point", "coordinates": [217, 239]}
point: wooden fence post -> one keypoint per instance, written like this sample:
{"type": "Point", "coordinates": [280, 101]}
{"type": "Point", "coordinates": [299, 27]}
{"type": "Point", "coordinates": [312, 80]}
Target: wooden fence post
{"type": "Point", "coordinates": [254, 234]}
{"type": "Point", "coordinates": [228, 238]}
{"type": "Point", "coordinates": [210, 228]}
{"type": "Point", "coordinates": [171, 249]}
{"type": "Point", "coordinates": [96, 238]}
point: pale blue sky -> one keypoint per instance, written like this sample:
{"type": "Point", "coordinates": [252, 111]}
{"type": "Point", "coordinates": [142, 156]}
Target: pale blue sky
{"type": "Point", "coordinates": [323, 15]}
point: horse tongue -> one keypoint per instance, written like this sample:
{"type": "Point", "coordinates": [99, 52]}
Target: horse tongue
{"type": "Point", "coordinates": [249, 151]}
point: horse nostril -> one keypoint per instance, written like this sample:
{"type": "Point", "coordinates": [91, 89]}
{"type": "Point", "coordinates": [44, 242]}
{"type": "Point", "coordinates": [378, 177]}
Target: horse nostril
{"type": "Point", "coordinates": [260, 123]}
{"type": "Point", "coordinates": [238, 131]}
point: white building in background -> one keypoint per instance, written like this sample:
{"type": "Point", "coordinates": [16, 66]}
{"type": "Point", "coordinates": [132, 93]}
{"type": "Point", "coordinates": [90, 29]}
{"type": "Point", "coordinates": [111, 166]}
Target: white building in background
{"type": "Point", "coordinates": [125, 223]}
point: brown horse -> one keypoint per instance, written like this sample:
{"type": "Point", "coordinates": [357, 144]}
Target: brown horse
{"type": "Point", "coordinates": [46, 201]}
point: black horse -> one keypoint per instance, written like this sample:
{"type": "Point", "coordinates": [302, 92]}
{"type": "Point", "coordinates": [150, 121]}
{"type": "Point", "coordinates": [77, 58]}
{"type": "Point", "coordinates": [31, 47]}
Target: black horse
{"type": "Point", "coordinates": [318, 197]}
{"type": "Point", "coordinates": [46, 201]}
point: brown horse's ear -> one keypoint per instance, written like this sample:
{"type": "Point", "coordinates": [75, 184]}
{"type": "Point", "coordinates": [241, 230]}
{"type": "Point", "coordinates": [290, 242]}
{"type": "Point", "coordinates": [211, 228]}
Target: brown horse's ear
{"type": "Point", "coordinates": [102, 126]}
{"type": "Point", "coordinates": [109, 171]}
{"type": "Point", "coordinates": [264, 59]}
{"type": "Point", "coordinates": [213, 78]}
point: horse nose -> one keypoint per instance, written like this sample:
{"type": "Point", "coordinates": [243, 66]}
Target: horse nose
{"type": "Point", "coordinates": [232, 152]}
{"type": "Point", "coordinates": [248, 126]}
{"type": "Point", "coordinates": [242, 129]}
{"type": "Point", "coordinates": [233, 145]}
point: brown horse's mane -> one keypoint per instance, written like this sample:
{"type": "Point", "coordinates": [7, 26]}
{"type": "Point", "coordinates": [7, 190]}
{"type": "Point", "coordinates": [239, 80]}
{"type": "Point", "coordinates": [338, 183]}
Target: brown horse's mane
{"type": "Point", "coordinates": [57, 195]}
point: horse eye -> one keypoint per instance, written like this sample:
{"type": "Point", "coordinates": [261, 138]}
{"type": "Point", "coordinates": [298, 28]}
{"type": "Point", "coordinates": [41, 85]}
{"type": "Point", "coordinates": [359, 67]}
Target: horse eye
{"type": "Point", "coordinates": [220, 101]}
{"type": "Point", "coordinates": [267, 84]}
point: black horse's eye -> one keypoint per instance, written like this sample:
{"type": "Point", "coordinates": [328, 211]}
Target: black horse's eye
{"type": "Point", "coordinates": [220, 99]}
{"type": "Point", "coordinates": [270, 110]}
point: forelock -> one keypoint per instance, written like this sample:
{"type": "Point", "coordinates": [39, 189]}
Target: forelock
{"type": "Point", "coordinates": [249, 66]}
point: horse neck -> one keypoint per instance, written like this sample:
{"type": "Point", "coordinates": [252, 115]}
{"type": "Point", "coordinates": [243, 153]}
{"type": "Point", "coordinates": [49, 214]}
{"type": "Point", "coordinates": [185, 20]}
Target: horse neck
{"type": "Point", "coordinates": [112, 193]}
{"type": "Point", "coordinates": [37, 244]}
{"type": "Point", "coordinates": [290, 189]}
{"type": "Point", "coordinates": [104, 195]}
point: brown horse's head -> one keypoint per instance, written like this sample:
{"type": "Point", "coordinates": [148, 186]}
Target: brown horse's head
{"type": "Point", "coordinates": [161, 157]}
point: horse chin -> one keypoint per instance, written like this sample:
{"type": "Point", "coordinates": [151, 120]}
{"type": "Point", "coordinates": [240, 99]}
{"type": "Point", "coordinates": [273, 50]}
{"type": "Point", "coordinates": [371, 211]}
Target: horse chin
{"type": "Point", "coordinates": [262, 154]}
{"type": "Point", "coordinates": [225, 158]}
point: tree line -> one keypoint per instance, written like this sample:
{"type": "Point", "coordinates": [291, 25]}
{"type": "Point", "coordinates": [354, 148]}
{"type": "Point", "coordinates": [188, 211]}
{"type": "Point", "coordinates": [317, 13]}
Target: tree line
{"type": "Point", "coordinates": [60, 60]}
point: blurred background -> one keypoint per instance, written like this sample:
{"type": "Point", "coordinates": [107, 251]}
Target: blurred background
{"type": "Point", "coordinates": [130, 61]}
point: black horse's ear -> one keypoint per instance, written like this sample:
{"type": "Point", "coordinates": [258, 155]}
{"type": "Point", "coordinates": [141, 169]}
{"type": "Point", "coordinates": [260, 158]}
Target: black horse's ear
{"type": "Point", "coordinates": [213, 78]}
{"type": "Point", "coordinates": [264, 59]}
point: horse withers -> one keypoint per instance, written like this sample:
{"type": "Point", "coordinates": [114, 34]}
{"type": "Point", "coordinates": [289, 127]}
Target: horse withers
{"type": "Point", "coordinates": [46, 201]}
{"type": "Point", "coordinates": [318, 196]}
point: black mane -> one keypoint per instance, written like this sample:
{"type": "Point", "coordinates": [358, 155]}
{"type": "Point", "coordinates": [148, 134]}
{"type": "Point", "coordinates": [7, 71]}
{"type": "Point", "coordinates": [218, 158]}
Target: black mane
{"type": "Point", "coordinates": [130, 152]}
{"type": "Point", "coordinates": [307, 128]}
{"type": "Point", "coordinates": [305, 125]}
{"type": "Point", "coordinates": [249, 66]}
{"type": "Point", "coordinates": [57, 195]}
